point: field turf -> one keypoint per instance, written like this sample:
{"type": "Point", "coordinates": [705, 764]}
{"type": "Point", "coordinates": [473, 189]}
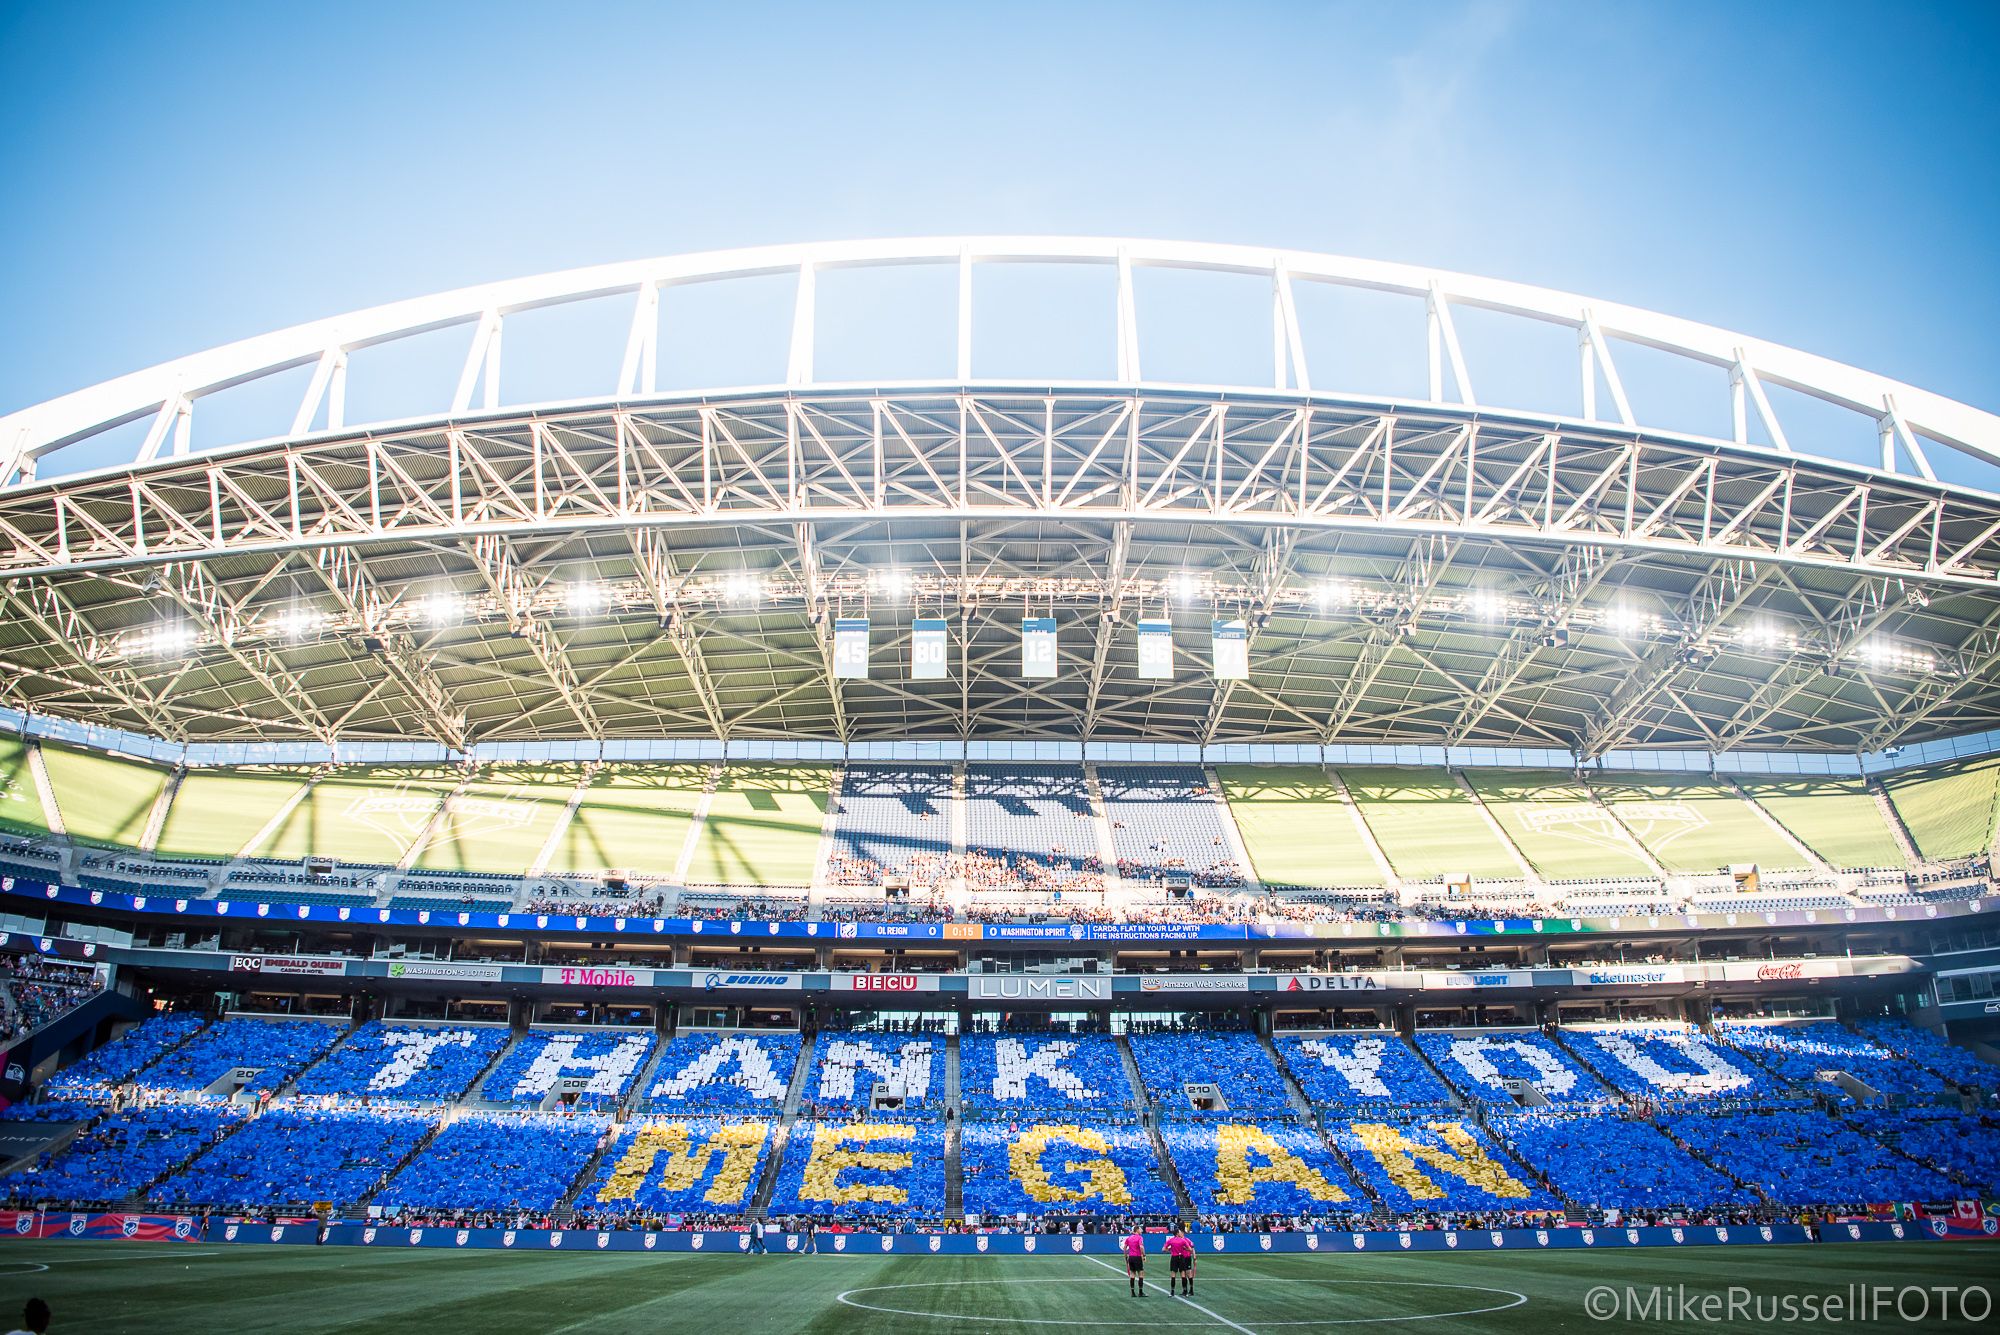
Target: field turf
{"type": "Point", "coordinates": [170, 1290]}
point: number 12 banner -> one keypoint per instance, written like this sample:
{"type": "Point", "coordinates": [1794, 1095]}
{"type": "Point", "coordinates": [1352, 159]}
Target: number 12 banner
{"type": "Point", "coordinates": [1038, 646]}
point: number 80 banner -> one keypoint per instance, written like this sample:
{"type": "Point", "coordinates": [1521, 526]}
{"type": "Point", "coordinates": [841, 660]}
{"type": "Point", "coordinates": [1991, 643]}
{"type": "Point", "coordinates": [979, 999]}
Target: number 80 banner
{"type": "Point", "coordinates": [930, 649]}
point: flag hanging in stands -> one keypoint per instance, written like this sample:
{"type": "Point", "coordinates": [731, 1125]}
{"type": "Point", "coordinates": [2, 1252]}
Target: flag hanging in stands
{"type": "Point", "coordinates": [1231, 640]}
{"type": "Point", "coordinates": [930, 649]}
{"type": "Point", "coordinates": [850, 648]}
{"type": "Point", "coordinates": [1156, 650]}
{"type": "Point", "coordinates": [1038, 646]}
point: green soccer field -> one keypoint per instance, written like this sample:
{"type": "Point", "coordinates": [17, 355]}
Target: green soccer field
{"type": "Point", "coordinates": [136, 1287]}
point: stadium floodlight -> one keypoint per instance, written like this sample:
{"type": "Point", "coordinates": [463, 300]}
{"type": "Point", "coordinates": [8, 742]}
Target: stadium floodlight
{"type": "Point", "coordinates": [1763, 633]}
{"type": "Point", "coordinates": [443, 609]}
{"type": "Point", "coordinates": [295, 623]}
{"type": "Point", "coordinates": [585, 597]}
{"type": "Point", "coordinates": [166, 640]}
{"type": "Point", "coordinates": [745, 587]}
{"type": "Point", "coordinates": [1623, 618]}
{"type": "Point", "coordinates": [893, 582]}
{"type": "Point", "coordinates": [1336, 593]}
{"type": "Point", "coordinates": [1185, 587]}
{"type": "Point", "coordinates": [1486, 605]}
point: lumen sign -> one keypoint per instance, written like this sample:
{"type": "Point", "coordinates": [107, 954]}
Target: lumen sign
{"type": "Point", "coordinates": [1028, 987]}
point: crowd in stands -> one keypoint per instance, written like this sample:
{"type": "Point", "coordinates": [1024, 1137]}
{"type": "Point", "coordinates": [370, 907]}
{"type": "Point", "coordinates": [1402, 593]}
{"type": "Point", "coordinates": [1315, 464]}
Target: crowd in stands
{"type": "Point", "coordinates": [122, 1154]}
{"type": "Point", "coordinates": [1804, 1157]}
{"type": "Point", "coordinates": [298, 1157]}
{"type": "Point", "coordinates": [404, 1063]}
{"type": "Point", "coordinates": [1436, 1162]}
{"type": "Point", "coordinates": [605, 906]}
{"type": "Point", "coordinates": [1243, 1167]}
{"type": "Point", "coordinates": [1607, 1161]}
{"type": "Point", "coordinates": [1236, 1063]}
{"type": "Point", "coordinates": [1815, 1050]}
{"type": "Point", "coordinates": [1480, 1065]}
{"type": "Point", "coordinates": [608, 1060]}
{"type": "Point", "coordinates": [846, 1067]}
{"type": "Point", "coordinates": [34, 991]}
{"type": "Point", "coordinates": [1923, 1048]}
{"type": "Point", "coordinates": [1012, 1072]}
{"type": "Point", "coordinates": [1672, 1064]}
{"type": "Point", "coordinates": [97, 1075]}
{"type": "Point", "coordinates": [1064, 1164]}
{"type": "Point", "coordinates": [677, 1165]}
{"type": "Point", "coordinates": [705, 1070]}
{"type": "Point", "coordinates": [1361, 1073]}
{"type": "Point", "coordinates": [883, 1167]}
{"type": "Point", "coordinates": [489, 1161]}
{"type": "Point", "coordinates": [1966, 1144]}
{"type": "Point", "coordinates": [277, 1049]}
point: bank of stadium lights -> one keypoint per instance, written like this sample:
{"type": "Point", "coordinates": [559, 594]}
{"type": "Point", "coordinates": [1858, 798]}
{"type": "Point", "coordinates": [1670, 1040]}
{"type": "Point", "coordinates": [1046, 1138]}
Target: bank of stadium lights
{"type": "Point", "coordinates": [1766, 635]}
{"type": "Point", "coordinates": [891, 583]}
{"type": "Point", "coordinates": [1885, 655]}
{"type": "Point", "coordinates": [585, 597]}
{"type": "Point", "coordinates": [169, 640]}
{"type": "Point", "coordinates": [744, 587]}
{"type": "Point", "coordinates": [443, 609]}
{"type": "Point", "coordinates": [1486, 605]}
{"type": "Point", "coordinates": [296, 623]}
{"type": "Point", "coordinates": [1184, 587]}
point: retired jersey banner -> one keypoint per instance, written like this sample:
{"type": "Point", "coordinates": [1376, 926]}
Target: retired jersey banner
{"type": "Point", "coordinates": [930, 649]}
{"type": "Point", "coordinates": [1231, 641]}
{"type": "Point", "coordinates": [850, 648]}
{"type": "Point", "coordinates": [1038, 646]}
{"type": "Point", "coordinates": [1156, 650]}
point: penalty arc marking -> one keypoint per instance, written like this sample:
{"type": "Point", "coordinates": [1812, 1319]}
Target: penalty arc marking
{"type": "Point", "coordinates": [852, 1298]}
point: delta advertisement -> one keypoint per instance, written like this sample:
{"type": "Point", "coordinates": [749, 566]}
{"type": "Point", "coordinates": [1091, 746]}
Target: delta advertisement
{"type": "Point", "coordinates": [19, 888]}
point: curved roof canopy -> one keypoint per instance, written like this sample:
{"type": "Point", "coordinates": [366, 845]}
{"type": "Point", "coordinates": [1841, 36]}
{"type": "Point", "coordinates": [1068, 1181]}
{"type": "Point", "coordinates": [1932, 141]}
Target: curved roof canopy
{"type": "Point", "coordinates": [655, 564]}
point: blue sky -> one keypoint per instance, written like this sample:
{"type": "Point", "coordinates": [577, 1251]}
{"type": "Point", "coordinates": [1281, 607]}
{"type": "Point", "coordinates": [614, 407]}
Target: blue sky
{"type": "Point", "coordinates": [180, 176]}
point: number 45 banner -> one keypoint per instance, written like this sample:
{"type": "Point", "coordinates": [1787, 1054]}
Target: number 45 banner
{"type": "Point", "coordinates": [850, 648]}
{"type": "Point", "coordinates": [930, 647]}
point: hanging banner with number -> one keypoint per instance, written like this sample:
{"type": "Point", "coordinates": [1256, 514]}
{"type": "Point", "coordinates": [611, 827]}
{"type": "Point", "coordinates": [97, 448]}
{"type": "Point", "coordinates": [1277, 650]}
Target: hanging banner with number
{"type": "Point", "coordinates": [1156, 650]}
{"type": "Point", "coordinates": [850, 648]}
{"type": "Point", "coordinates": [1038, 646]}
{"type": "Point", "coordinates": [930, 649]}
{"type": "Point", "coordinates": [1231, 640]}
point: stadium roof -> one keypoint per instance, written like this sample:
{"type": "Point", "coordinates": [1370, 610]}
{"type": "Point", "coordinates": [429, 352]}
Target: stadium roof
{"type": "Point", "coordinates": [654, 564]}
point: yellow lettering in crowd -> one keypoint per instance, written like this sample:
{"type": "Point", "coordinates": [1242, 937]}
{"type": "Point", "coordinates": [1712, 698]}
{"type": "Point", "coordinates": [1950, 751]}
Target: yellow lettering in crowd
{"type": "Point", "coordinates": [1237, 1179]}
{"type": "Point", "coordinates": [737, 1142]}
{"type": "Point", "coordinates": [1102, 1179]}
{"type": "Point", "coordinates": [1398, 1155]}
{"type": "Point", "coordinates": [830, 1158]}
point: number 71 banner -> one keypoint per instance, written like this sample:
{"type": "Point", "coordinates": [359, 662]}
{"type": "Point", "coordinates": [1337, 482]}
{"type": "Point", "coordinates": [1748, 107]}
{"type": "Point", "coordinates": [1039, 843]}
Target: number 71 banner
{"type": "Point", "coordinates": [1231, 641]}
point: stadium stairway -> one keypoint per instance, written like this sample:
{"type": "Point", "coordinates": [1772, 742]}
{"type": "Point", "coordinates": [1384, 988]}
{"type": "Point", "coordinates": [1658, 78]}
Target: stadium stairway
{"type": "Point", "coordinates": [137, 1199]}
{"type": "Point", "coordinates": [1303, 1109]}
{"type": "Point", "coordinates": [1107, 844]}
{"type": "Point", "coordinates": [639, 1098]}
{"type": "Point", "coordinates": [1894, 820]}
{"type": "Point", "coordinates": [1238, 850]}
{"type": "Point", "coordinates": [1530, 874]}
{"type": "Point", "coordinates": [1459, 1102]}
{"type": "Point", "coordinates": [1375, 851]}
{"type": "Point", "coordinates": [291, 1086]}
{"type": "Point", "coordinates": [417, 1151]}
{"type": "Point", "coordinates": [954, 1183]}
{"type": "Point", "coordinates": [1144, 1105]}
{"type": "Point", "coordinates": [795, 1094]}
{"type": "Point", "coordinates": [1798, 846]}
